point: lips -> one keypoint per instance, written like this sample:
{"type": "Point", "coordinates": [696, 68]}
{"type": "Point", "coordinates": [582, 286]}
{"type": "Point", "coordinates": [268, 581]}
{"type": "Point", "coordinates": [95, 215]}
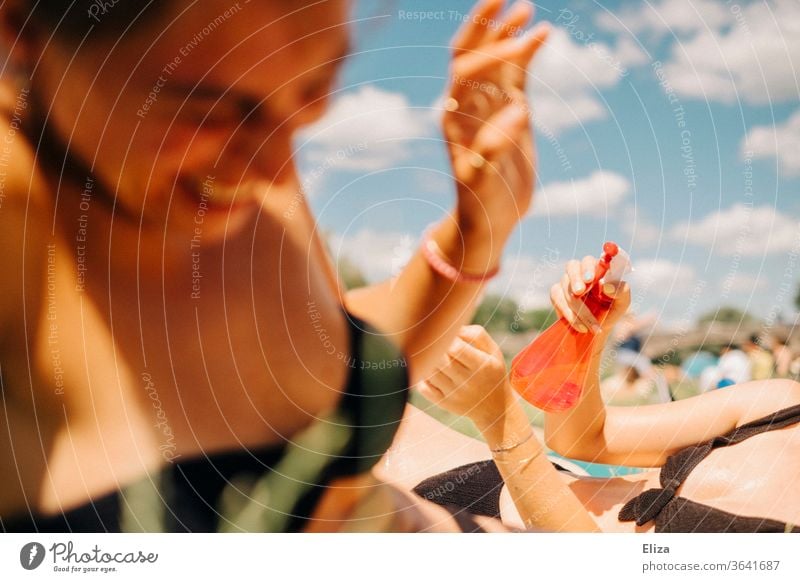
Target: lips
{"type": "Point", "coordinates": [215, 197]}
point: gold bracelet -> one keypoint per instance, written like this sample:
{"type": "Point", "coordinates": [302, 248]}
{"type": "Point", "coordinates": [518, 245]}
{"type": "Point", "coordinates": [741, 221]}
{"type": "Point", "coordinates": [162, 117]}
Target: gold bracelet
{"type": "Point", "coordinates": [503, 448]}
{"type": "Point", "coordinates": [523, 463]}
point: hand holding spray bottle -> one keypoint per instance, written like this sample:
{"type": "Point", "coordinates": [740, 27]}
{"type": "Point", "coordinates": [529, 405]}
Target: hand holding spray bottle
{"type": "Point", "coordinates": [551, 371]}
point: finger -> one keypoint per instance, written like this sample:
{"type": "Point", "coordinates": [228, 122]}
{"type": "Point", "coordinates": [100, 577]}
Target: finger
{"type": "Point", "coordinates": [477, 336]}
{"type": "Point", "coordinates": [467, 354]}
{"type": "Point", "coordinates": [534, 40]}
{"type": "Point", "coordinates": [576, 284]}
{"type": "Point", "coordinates": [441, 381]}
{"type": "Point", "coordinates": [580, 317]}
{"type": "Point", "coordinates": [513, 22]}
{"type": "Point", "coordinates": [454, 373]}
{"type": "Point", "coordinates": [621, 296]}
{"type": "Point", "coordinates": [472, 33]}
{"type": "Point", "coordinates": [609, 289]}
{"type": "Point", "coordinates": [501, 130]}
{"type": "Point", "coordinates": [584, 315]}
{"type": "Point", "coordinates": [588, 267]}
{"type": "Point", "coordinates": [499, 133]}
{"type": "Point", "coordinates": [482, 62]}
{"type": "Point", "coordinates": [559, 300]}
{"type": "Point", "coordinates": [430, 392]}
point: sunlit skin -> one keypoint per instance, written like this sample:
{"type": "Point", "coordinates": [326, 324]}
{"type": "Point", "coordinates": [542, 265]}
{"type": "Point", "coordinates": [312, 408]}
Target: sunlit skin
{"type": "Point", "coordinates": [757, 477]}
{"type": "Point", "coordinates": [231, 357]}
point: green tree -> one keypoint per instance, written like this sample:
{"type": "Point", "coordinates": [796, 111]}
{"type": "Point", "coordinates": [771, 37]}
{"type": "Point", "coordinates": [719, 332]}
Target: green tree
{"type": "Point", "coordinates": [538, 319]}
{"type": "Point", "coordinates": [496, 313]}
{"type": "Point", "coordinates": [351, 276]}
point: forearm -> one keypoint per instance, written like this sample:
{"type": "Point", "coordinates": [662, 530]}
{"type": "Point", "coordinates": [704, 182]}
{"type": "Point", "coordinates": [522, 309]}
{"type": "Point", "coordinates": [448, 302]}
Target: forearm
{"type": "Point", "coordinates": [423, 310]}
{"type": "Point", "coordinates": [542, 498]}
{"type": "Point", "coordinates": [578, 433]}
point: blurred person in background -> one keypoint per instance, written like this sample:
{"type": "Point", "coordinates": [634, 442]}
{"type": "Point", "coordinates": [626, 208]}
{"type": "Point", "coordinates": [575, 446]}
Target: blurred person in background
{"type": "Point", "coordinates": [762, 362]}
{"type": "Point", "coordinates": [783, 356]}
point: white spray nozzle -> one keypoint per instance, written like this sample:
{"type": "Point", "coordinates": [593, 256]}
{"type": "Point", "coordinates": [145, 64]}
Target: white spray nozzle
{"type": "Point", "coordinates": [619, 267]}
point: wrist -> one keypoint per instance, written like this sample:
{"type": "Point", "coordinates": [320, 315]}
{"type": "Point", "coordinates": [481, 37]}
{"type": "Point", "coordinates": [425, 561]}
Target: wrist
{"type": "Point", "coordinates": [508, 425]}
{"type": "Point", "coordinates": [474, 247]}
{"type": "Point", "coordinates": [485, 225]}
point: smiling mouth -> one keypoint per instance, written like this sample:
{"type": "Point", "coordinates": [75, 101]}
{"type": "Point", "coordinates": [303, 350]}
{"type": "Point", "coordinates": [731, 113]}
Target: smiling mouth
{"type": "Point", "coordinates": [213, 197]}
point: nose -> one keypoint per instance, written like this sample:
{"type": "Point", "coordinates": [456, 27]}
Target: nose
{"type": "Point", "coordinates": [260, 152]}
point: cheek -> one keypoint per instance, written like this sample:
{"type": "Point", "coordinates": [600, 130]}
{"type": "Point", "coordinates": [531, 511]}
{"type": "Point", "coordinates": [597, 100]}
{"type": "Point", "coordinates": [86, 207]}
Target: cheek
{"type": "Point", "coordinates": [185, 150]}
{"type": "Point", "coordinates": [310, 113]}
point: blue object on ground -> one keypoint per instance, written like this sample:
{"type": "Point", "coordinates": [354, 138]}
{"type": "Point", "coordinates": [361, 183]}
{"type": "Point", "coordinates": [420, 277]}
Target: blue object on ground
{"type": "Point", "coordinates": [694, 365]}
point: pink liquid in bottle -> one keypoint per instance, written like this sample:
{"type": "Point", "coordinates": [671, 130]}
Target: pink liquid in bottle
{"type": "Point", "coordinates": [551, 371]}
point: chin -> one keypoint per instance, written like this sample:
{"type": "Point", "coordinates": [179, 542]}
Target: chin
{"type": "Point", "coordinates": [208, 213]}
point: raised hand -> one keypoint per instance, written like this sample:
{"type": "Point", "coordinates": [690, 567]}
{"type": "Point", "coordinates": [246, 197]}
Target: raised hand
{"type": "Point", "coordinates": [471, 379]}
{"type": "Point", "coordinates": [487, 121]}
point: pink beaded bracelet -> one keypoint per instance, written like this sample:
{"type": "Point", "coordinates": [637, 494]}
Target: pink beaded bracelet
{"type": "Point", "coordinates": [439, 263]}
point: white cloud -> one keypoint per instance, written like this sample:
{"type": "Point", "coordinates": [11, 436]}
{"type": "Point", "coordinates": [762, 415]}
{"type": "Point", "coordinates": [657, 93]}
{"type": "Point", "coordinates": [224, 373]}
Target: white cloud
{"type": "Point", "coordinates": [527, 280]}
{"type": "Point", "coordinates": [568, 74]}
{"type": "Point", "coordinates": [755, 58]}
{"type": "Point", "coordinates": [629, 53]}
{"type": "Point", "coordinates": [667, 16]}
{"type": "Point", "coordinates": [379, 255]}
{"type": "Point", "coordinates": [642, 232]}
{"type": "Point", "coordinates": [781, 141]}
{"type": "Point", "coordinates": [595, 195]}
{"type": "Point", "coordinates": [367, 129]}
{"type": "Point", "coordinates": [742, 230]}
{"type": "Point", "coordinates": [741, 283]}
{"type": "Point", "coordinates": [661, 277]}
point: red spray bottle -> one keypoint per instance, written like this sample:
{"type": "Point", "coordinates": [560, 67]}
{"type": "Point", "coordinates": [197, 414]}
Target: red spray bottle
{"type": "Point", "coordinates": [551, 371]}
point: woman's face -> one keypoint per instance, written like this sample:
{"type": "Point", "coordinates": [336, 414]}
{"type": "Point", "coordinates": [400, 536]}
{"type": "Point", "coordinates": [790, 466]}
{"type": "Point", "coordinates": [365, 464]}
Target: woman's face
{"type": "Point", "coordinates": [195, 112]}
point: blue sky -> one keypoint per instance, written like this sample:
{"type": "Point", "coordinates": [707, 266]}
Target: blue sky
{"type": "Point", "coordinates": [644, 114]}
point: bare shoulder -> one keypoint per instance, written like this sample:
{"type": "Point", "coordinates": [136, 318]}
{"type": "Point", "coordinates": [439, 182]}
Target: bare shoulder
{"type": "Point", "coordinates": [762, 398]}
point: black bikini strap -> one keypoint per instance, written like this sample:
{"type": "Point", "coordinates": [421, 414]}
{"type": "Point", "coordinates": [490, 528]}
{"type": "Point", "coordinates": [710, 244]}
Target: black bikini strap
{"type": "Point", "coordinates": [646, 506]}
